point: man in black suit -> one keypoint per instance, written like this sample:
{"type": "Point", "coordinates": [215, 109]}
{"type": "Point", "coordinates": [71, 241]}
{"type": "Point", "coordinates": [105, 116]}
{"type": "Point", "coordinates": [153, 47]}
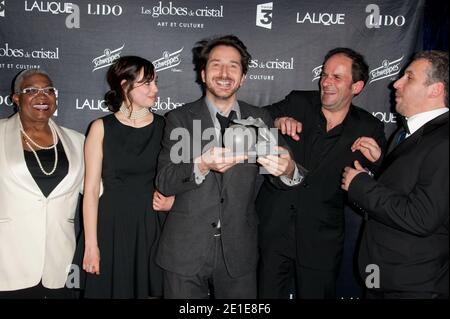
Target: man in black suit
{"type": "Point", "coordinates": [209, 239]}
{"type": "Point", "coordinates": [405, 247]}
{"type": "Point", "coordinates": [301, 231]}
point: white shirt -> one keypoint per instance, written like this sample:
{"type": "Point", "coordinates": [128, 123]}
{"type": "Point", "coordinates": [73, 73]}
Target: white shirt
{"type": "Point", "coordinates": [416, 121]}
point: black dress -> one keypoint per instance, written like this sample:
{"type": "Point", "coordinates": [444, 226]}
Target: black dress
{"type": "Point", "coordinates": [128, 229]}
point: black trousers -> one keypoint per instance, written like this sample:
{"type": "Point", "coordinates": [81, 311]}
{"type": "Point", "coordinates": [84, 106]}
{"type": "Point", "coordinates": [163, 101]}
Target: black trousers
{"type": "Point", "coordinates": [39, 292]}
{"type": "Point", "coordinates": [212, 281]}
{"type": "Point", "coordinates": [280, 275]}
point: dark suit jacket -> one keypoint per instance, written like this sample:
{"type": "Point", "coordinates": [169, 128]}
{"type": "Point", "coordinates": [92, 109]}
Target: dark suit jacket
{"type": "Point", "coordinates": [408, 207]}
{"type": "Point", "coordinates": [190, 225]}
{"type": "Point", "coordinates": [319, 203]}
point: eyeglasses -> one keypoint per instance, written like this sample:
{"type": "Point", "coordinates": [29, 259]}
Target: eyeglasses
{"type": "Point", "coordinates": [34, 91]}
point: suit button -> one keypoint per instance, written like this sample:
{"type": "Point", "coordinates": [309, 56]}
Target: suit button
{"type": "Point", "coordinates": [214, 225]}
{"type": "Point", "coordinates": [292, 207]}
{"type": "Point", "coordinates": [222, 200]}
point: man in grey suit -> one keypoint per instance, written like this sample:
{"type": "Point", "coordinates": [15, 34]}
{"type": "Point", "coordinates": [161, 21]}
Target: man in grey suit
{"type": "Point", "coordinates": [208, 247]}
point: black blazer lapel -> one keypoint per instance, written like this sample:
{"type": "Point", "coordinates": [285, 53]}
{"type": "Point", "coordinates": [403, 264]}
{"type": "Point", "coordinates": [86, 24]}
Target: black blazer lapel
{"type": "Point", "coordinates": [393, 142]}
{"type": "Point", "coordinates": [412, 140]}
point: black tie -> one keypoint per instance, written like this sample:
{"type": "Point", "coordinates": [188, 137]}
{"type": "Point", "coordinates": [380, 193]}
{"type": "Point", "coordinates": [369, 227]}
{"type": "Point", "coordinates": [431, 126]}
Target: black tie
{"type": "Point", "coordinates": [404, 131]}
{"type": "Point", "coordinates": [225, 122]}
{"type": "Point", "coordinates": [401, 136]}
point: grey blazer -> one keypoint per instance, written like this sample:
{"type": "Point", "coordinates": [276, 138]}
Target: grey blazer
{"type": "Point", "coordinates": [190, 226]}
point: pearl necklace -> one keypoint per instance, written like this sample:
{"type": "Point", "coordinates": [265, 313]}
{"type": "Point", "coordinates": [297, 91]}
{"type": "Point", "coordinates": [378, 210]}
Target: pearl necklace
{"type": "Point", "coordinates": [135, 115]}
{"type": "Point", "coordinates": [55, 141]}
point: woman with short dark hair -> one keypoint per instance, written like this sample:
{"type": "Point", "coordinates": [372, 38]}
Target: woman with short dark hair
{"type": "Point", "coordinates": [122, 227]}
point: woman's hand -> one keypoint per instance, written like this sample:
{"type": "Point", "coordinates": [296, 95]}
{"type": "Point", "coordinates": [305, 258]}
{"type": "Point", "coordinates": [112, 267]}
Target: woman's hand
{"type": "Point", "coordinates": [91, 260]}
{"type": "Point", "coordinates": [162, 203]}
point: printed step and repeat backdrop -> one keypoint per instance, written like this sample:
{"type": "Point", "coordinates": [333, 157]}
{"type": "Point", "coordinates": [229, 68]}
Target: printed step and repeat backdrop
{"type": "Point", "coordinates": [77, 41]}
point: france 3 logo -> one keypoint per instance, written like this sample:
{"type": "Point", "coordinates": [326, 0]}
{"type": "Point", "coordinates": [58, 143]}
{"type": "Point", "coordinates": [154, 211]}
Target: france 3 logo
{"type": "Point", "coordinates": [2, 8]}
{"type": "Point", "coordinates": [264, 15]}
